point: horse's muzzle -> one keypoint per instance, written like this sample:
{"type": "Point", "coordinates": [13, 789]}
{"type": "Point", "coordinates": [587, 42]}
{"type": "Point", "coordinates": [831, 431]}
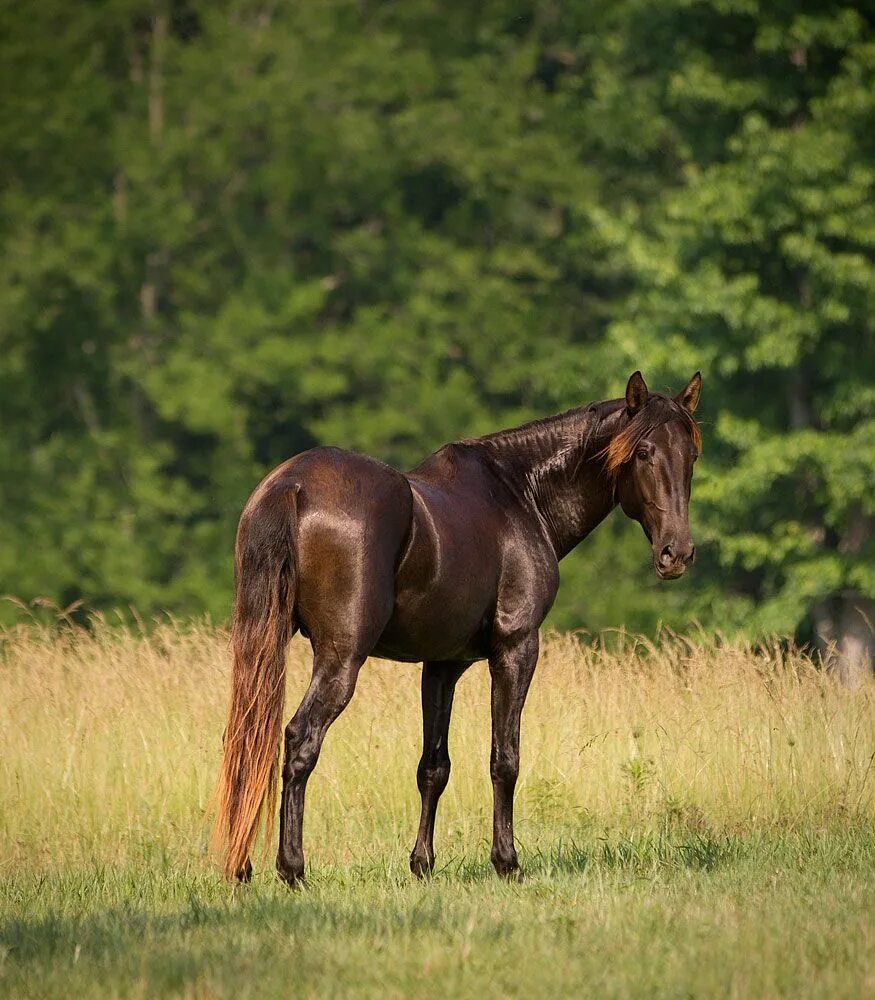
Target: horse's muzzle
{"type": "Point", "coordinates": [672, 559]}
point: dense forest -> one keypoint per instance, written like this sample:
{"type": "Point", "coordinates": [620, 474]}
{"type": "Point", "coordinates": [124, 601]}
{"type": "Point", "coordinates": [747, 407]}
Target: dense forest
{"type": "Point", "coordinates": [232, 230]}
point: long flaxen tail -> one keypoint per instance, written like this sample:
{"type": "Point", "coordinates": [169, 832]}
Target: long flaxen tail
{"type": "Point", "coordinates": [263, 624]}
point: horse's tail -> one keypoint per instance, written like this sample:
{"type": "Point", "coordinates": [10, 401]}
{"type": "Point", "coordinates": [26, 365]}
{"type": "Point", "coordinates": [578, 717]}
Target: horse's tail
{"type": "Point", "coordinates": [263, 624]}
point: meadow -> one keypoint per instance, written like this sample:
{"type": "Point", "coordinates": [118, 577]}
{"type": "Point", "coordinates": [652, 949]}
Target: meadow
{"type": "Point", "coordinates": [694, 819]}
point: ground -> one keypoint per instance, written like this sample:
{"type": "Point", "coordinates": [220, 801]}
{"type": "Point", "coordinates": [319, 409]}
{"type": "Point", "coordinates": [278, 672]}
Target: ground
{"type": "Point", "coordinates": [694, 822]}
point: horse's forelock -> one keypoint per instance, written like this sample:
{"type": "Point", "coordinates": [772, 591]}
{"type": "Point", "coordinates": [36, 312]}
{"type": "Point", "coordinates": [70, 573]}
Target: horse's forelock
{"type": "Point", "coordinates": [657, 411]}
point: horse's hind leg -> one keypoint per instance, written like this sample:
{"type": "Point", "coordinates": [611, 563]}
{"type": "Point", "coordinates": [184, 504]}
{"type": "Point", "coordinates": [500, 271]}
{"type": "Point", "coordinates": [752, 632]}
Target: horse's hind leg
{"type": "Point", "coordinates": [331, 688]}
{"type": "Point", "coordinates": [438, 685]}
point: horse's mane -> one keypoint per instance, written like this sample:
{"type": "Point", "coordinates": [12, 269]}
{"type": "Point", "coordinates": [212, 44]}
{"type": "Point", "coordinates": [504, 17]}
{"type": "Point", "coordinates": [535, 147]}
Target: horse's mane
{"type": "Point", "coordinates": [656, 411]}
{"type": "Point", "coordinates": [580, 431]}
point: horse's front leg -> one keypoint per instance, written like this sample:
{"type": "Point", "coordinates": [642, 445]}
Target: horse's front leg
{"type": "Point", "coordinates": [511, 665]}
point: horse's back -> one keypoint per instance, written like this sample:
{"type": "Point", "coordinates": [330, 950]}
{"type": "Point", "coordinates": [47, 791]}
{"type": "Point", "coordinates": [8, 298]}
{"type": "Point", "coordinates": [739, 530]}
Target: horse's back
{"type": "Point", "coordinates": [336, 484]}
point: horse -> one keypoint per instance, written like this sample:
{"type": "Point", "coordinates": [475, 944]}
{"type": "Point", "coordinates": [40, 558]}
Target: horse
{"type": "Point", "coordinates": [451, 563]}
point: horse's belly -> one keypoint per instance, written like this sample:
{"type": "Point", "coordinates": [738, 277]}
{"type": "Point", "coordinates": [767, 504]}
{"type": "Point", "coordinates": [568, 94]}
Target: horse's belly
{"type": "Point", "coordinates": [444, 616]}
{"type": "Point", "coordinates": [434, 637]}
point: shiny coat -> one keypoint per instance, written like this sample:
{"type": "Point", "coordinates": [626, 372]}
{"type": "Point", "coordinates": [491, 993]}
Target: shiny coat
{"type": "Point", "coordinates": [453, 562]}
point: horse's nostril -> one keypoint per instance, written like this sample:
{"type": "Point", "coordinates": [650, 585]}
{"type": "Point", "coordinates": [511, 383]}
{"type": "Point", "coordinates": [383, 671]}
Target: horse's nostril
{"type": "Point", "coordinates": [666, 557]}
{"type": "Point", "coordinates": [691, 556]}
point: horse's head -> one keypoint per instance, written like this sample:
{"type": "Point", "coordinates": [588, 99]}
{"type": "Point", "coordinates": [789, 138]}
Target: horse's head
{"type": "Point", "coordinates": [652, 459]}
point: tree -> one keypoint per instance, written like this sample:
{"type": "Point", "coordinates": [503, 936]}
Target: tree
{"type": "Point", "coordinates": [234, 230]}
{"type": "Point", "coordinates": [759, 268]}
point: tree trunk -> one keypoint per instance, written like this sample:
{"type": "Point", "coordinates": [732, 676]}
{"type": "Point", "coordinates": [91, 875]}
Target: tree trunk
{"type": "Point", "coordinates": [856, 643]}
{"type": "Point", "coordinates": [845, 628]}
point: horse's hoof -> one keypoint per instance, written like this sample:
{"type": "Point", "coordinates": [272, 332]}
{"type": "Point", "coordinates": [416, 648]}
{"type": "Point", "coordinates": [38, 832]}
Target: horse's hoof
{"type": "Point", "coordinates": [293, 878]}
{"type": "Point", "coordinates": [510, 871]}
{"type": "Point", "coordinates": [421, 867]}
{"type": "Point", "coordinates": [243, 875]}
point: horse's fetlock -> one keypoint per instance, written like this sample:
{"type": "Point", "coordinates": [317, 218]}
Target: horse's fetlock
{"type": "Point", "coordinates": [505, 862]}
{"type": "Point", "coordinates": [291, 871]}
{"type": "Point", "coordinates": [421, 863]}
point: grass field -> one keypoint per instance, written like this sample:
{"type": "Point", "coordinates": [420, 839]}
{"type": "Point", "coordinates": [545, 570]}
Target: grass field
{"type": "Point", "coordinates": [694, 821]}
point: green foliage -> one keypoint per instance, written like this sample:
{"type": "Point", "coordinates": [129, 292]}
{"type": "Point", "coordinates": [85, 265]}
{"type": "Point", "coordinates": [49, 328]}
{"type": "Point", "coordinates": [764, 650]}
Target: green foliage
{"type": "Point", "coordinates": [759, 269]}
{"type": "Point", "coordinates": [230, 231]}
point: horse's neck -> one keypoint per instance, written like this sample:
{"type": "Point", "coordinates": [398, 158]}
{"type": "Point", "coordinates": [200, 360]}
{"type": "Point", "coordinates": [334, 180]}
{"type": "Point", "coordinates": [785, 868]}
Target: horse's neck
{"type": "Point", "coordinates": [553, 466]}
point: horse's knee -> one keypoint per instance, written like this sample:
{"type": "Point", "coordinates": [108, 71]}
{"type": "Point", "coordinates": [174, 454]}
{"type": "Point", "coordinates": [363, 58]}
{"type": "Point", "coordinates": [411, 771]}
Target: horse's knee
{"type": "Point", "coordinates": [504, 766]}
{"type": "Point", "coordinates": [432, 776]}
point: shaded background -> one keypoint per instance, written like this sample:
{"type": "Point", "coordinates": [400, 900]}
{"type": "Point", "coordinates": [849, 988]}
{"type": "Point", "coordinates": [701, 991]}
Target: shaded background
{"type": "Point", "coordinates": [232, 230]}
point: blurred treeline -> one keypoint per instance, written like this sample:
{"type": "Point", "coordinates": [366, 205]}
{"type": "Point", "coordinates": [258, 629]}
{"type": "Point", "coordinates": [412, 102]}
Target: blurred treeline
{"type": "Point", "coordinates": [231, 230]}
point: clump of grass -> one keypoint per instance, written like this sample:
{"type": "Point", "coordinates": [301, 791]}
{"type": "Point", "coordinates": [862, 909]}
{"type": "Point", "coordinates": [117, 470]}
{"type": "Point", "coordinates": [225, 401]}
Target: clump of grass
{"type": "Point", "coordinates": [110, 740]}
{"type": "Point", "coordinates": [694, 821]}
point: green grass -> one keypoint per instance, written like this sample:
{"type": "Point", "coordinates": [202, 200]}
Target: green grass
{"type": "Point", "coordinates": [693, 822]}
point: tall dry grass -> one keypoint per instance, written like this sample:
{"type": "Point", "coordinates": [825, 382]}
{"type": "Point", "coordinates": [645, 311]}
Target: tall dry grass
{"type": "Point", "coordinates": [110, 742]}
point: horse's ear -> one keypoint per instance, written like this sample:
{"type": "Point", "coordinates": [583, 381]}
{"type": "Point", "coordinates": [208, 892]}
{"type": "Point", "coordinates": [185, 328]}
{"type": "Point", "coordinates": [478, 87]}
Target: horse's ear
{"type": "Point", "coordinates": [688, 398]}
{"type": "Point", "coordinates": [636, 393]}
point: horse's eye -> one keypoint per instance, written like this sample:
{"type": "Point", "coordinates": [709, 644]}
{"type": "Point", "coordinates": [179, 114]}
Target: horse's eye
{"type": "Point", "coordinates": [643, 453]}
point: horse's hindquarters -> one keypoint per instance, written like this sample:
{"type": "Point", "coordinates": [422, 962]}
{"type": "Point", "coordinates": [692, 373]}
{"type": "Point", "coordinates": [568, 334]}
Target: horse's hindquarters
{"type": "Point", "coordinates": [354, 518]}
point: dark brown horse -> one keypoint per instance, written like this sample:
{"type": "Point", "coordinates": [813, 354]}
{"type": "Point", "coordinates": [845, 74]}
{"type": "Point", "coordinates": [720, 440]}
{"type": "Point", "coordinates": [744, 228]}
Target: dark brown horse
{"type": "Point", "coordinates": [453, 562]}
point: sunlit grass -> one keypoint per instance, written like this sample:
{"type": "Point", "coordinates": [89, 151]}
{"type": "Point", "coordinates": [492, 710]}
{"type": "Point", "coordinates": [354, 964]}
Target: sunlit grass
{"type": "Point", "coordinates": [676, 801]}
